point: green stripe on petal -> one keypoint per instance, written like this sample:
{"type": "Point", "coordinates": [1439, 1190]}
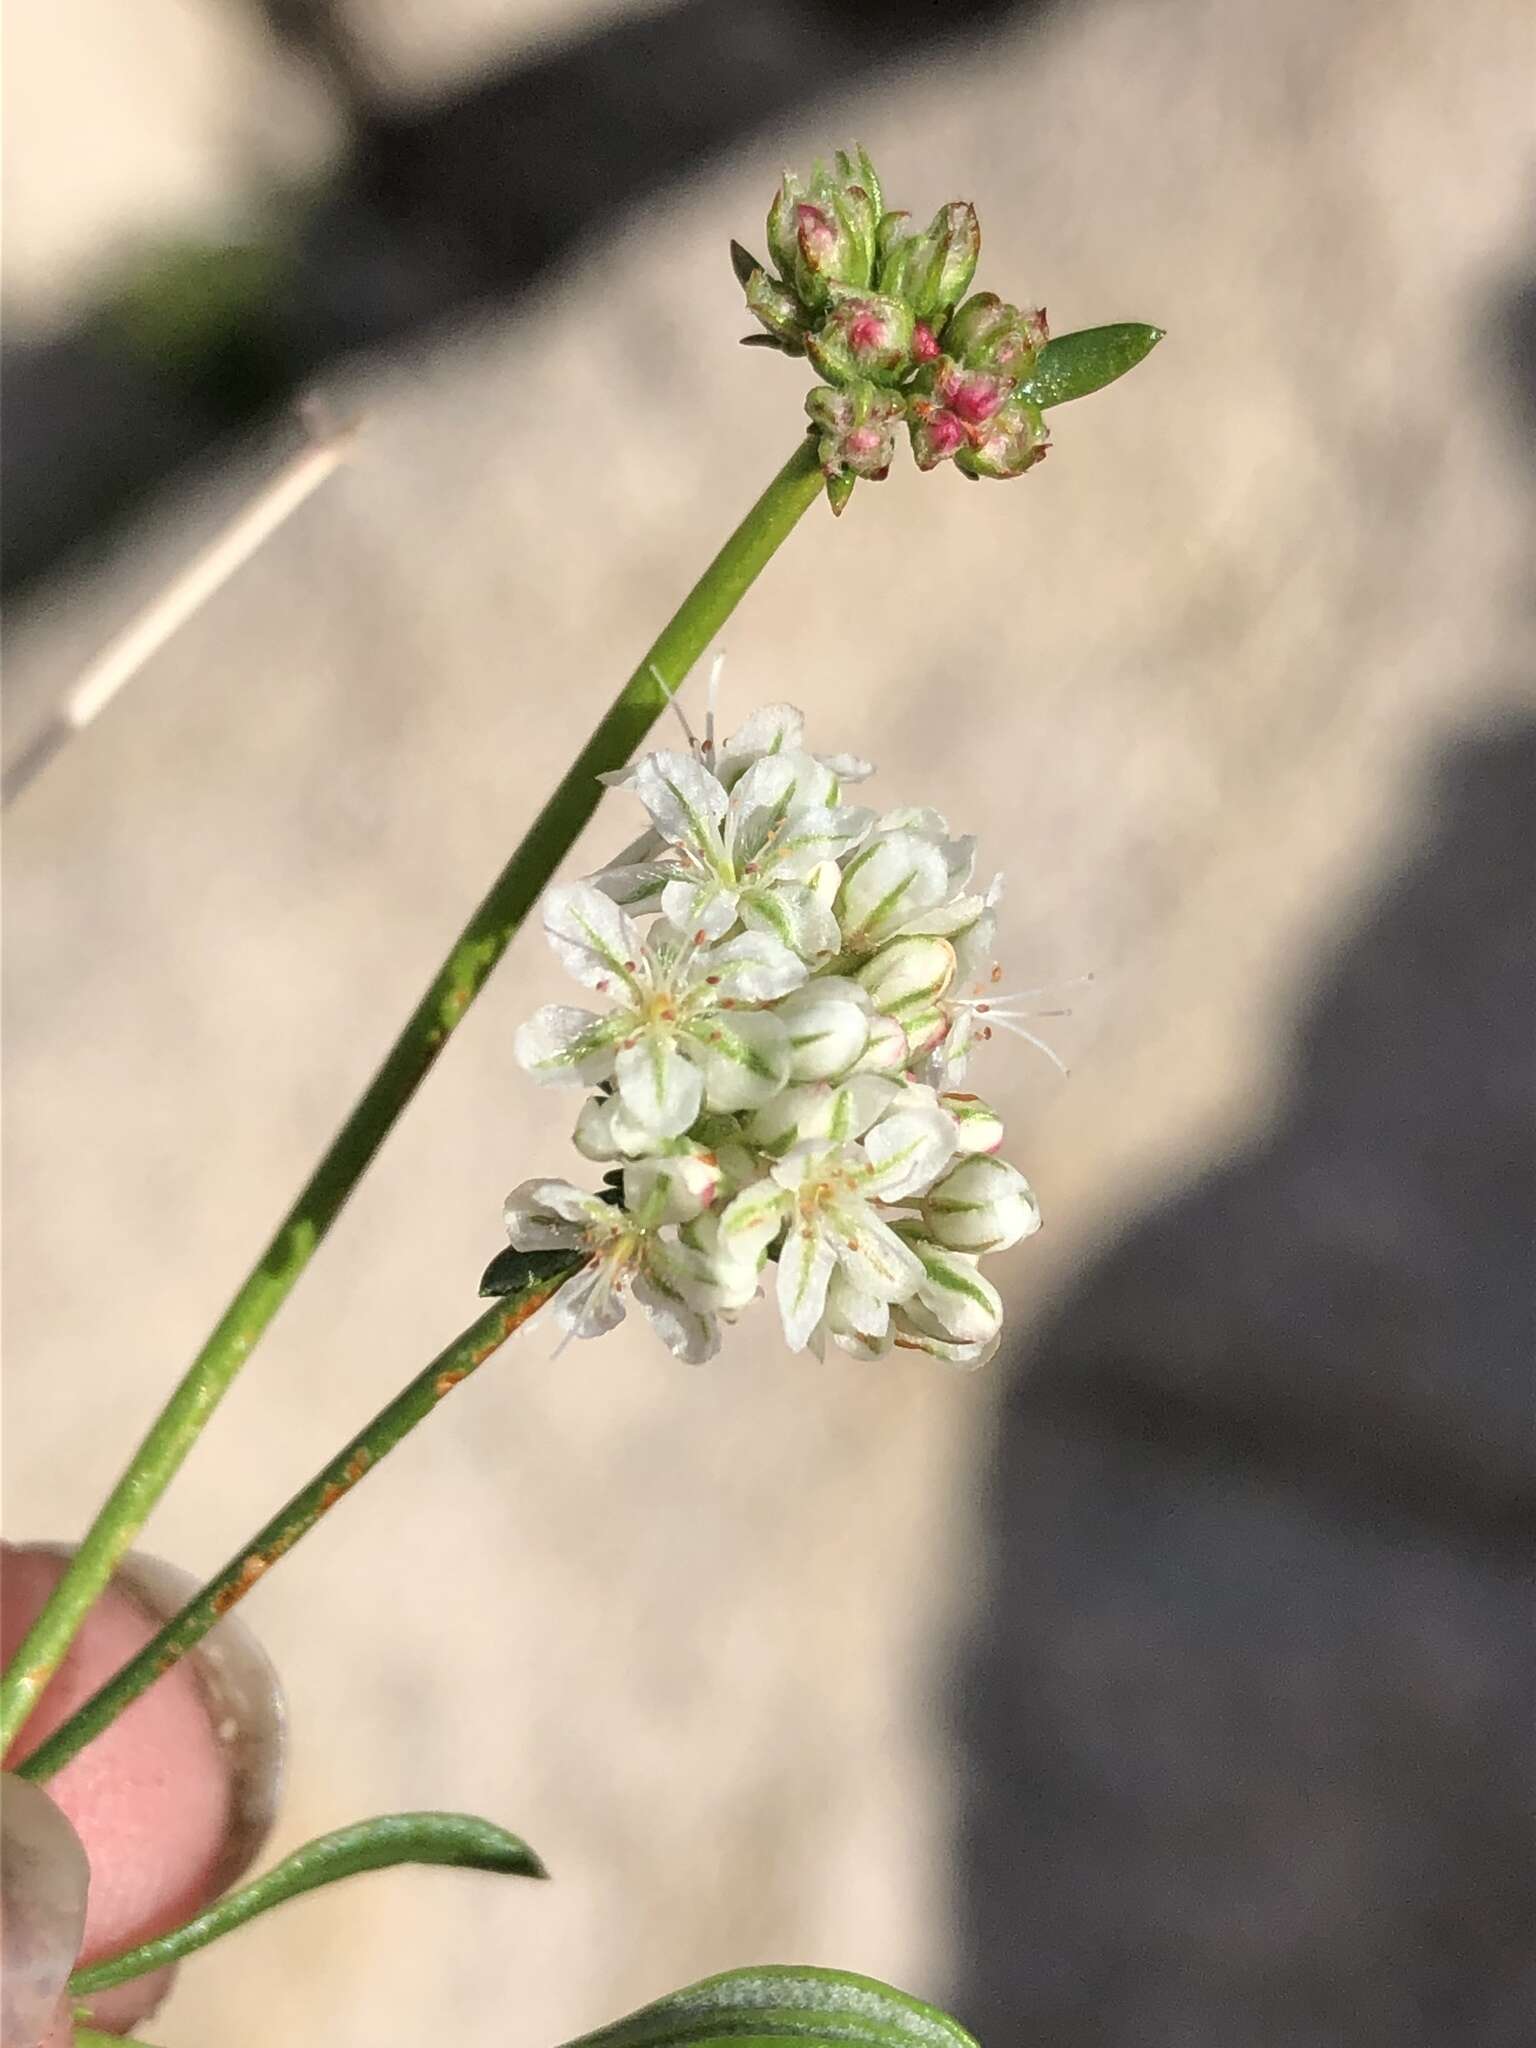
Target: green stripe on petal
{"type": "Point", "coordinates": [745, 1055]}
{"type": "Point", "coordinates": [658, 1086]}
{"type": "Point", "coordinates": [562, 1043]}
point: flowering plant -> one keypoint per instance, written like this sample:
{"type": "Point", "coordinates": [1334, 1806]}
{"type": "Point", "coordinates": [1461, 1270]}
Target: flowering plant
{"type": "Point", "coordinates": [778, 1067]}
{"type": "Point", "coordinates": [792, 984]}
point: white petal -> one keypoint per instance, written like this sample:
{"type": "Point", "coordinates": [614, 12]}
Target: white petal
{"type": "Point", "coordinates": [809, 838]}
{"type": "Point", "coordinates": [745, 1055]}
{"type": "Point", "coordinates": [699, 907]}
{"type": "Point", "coordinates": [703, 1270]}
{"type": "Point", "coordinates": [661, 1088]}
{"type": "Point", "coordinates": [947, 920]}
{"type": "Point", "coordinates": [805, 1267]}
{"type": "Point", "coordinates": [772, 789]}
{"type": "Point", "coordinates": [561, 1043]}
{"type": "Point", "coordinates": [636, 887]}
{"type": "Point", "coordinates": [871, 1254]}
{"type": "Point", "coordinates": [848, 767]}
{"type": "Point", "coordinates": [886, 882]}
{"type": "Point", "coordinates": [593, 1136]}
{"type": "Point", "coordinates": [852, 1312]}
{"type": "Point", "coordinates": [684, 799]}
{"type": "Point", "coordinates": [591, 1302]}
{"type": "Point", "coordinates": [772, 730]}
{"type": "Point", "coordinates": [920, 818]}
{"type": "Point", "coordinates": [751, 968]}
{"type": "Point", "coordinates": [687, 1334]}
{"type": "Point", "coordinates": [795, 916]}
{"type": "Point", "coordinates": [907, 1151]}
{"type": "Point", "coordinates": [753, 1220]}
{"type": "Point", "coordinates": [551, 1215]}
{"type": "Point", "coordinates": [975, 944]}
{"type": "Point", "coordinates": [595, 940]}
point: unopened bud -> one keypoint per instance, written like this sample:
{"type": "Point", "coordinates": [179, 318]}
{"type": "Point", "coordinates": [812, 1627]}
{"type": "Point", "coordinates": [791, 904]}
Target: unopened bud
{"type": "Point", "coordinates": [778, 309]}
{"type": "Point", "coordinates": [988, 334]}
{"type": "Point", "coordinates": [886, 1051]}
{"type": "Point", "coordinates": [931, 270]}
{"type": "Point", "coordinates": [981, 1205]}
{"type": "Point", "coordinates": [671, 1189]}
{"type": "Point", "coordinates": [828, 1024]}
{"type": "Point", "coordinates": [866, 335]}
{"type": "Point", "coordinates": [857, 430]}
{"type": "Point", "coordinates": [906, 978]}
{"type": "Point", "coordinates": [825, 235]}
{"type": "Point", "coordinates": [1015, 439]}
{"type": "Point", "coordinates": [978, 1123]}
{"type": "Point", "coordinates": [960, 1305]}
{"type": "Point", "coordinates": [936, 432]}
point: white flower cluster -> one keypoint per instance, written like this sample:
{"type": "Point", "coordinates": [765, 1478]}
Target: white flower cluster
{"type": "Point", "coordinates": [776, 1075]}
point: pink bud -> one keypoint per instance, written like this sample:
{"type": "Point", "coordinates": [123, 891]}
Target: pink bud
{"type": "Point", "coordinates": [867, 334]}
{"type": "Point", "coordinates": [818, 235]}
{"type": "Point", "coordinates": [974, 397]}
{"type": "Point", "coordinates": [925, 343]}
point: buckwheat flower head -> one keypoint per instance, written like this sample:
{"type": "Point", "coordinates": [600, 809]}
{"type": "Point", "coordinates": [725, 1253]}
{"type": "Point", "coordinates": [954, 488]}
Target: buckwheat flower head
{"type": "Point", "coordinates": [879, 305]}
{"type": "Point", "coordinates": [793, 987]}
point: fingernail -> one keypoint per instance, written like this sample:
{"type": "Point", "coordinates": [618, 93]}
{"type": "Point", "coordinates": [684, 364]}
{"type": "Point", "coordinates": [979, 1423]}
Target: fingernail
{"type": "Point", "coordinates": [43, 1880]}
{"type": "Point", "coordinates": [243, 1696]}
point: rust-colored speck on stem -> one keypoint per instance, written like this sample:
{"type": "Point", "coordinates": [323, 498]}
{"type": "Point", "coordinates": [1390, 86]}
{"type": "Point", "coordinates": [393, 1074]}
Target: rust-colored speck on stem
{"type": "Point", "coordinates": [250, 1571]}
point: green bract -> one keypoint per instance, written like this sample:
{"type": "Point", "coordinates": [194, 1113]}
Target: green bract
{"type": "Point", "coordinates": [879, 306]}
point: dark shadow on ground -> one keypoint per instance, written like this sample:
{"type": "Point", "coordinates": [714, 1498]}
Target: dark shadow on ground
{"type": "Point", "coordinates": [439, 209]}
{"type": "Point", "coordinates": [1246, 1720]}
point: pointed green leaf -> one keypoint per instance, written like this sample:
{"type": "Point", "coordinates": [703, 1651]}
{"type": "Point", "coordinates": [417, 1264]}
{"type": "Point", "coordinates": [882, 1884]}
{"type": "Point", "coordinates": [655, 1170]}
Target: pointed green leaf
{"type": "Point", "coordinates": [456, 1838]}
{"type": "Point", "coordinates": [776, 2003]}
{"type": "Point", "coordinates": [743, 262]}
{"type": "Point", "coordinates": [1073, 365]}
{"type": "Point", "coordinates": [510, 1270]}
{"type": "Point", "coordinates": [840, 490]}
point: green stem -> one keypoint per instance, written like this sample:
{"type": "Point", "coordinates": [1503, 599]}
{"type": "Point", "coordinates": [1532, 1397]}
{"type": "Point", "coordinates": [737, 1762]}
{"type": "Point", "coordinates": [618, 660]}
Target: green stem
{"type": "Point", "coordinates": [413, 1404]}
{"type": "Point", "coordinates": [453, 988]}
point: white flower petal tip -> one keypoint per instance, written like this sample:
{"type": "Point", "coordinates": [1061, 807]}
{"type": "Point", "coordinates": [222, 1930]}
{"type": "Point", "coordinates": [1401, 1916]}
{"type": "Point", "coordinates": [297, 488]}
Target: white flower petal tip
{"type": "Point", "coordinates": [791, 987]}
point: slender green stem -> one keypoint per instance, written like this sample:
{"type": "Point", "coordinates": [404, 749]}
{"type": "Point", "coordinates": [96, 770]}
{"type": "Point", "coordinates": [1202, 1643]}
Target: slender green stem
{"type": "Point", "coordinates": [453, 988]}
{"type": "Point", "coordinates": [413, 1404]}
{"type": "Point", "coordinates": [88, 2037]}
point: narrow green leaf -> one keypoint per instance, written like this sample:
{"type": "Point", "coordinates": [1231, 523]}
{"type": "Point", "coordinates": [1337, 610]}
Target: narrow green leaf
{"type": "Point", "coordinates": [511, 1270]}
{"type": "Point", "coordinates": [456, 1838]}
{"type": "Point", "coordinates": [744, 263]}
{"type": "Point", "coordinates": [1073, 365]}
{"type": "Point", "coordinates": [760, 2008]}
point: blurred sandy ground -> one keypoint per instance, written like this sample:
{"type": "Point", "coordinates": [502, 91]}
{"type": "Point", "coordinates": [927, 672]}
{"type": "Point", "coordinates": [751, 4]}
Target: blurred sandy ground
{"type": "Point", "coordinates": [689, 1631]}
